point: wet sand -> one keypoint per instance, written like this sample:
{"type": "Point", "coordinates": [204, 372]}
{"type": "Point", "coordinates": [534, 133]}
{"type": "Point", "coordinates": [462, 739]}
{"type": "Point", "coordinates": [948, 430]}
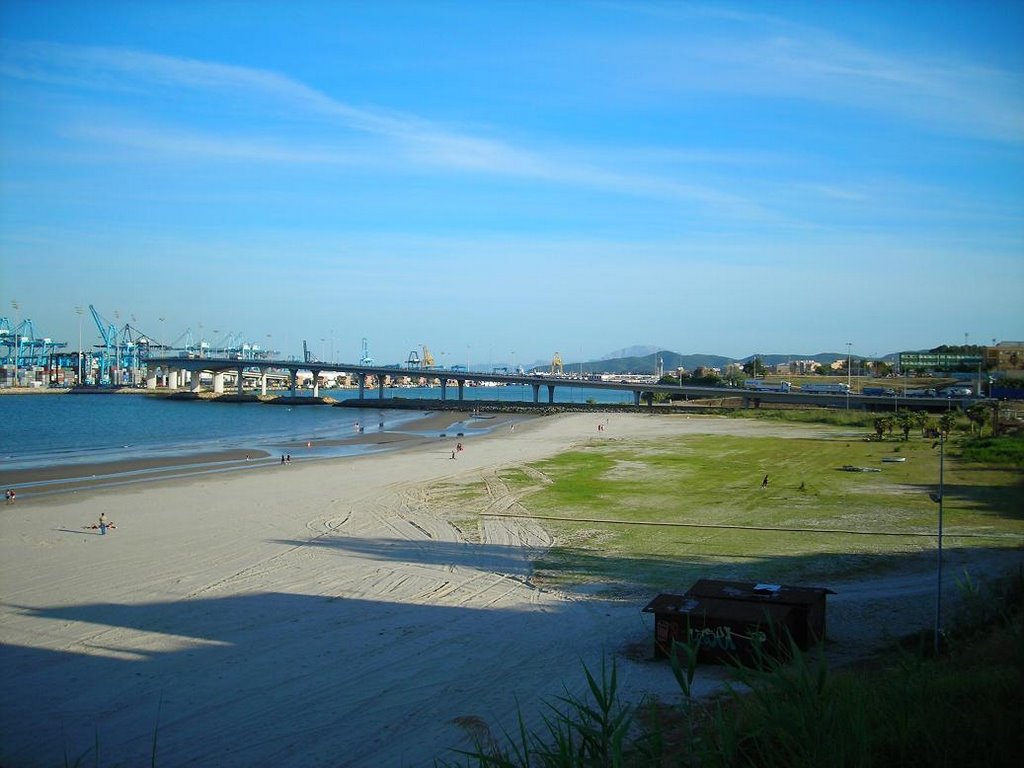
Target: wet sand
{"type": "Point", "coordinates": [72, 478]}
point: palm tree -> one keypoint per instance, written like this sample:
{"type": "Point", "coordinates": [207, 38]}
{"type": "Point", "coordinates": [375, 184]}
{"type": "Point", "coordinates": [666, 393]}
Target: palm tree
{"type": "Point", "coordinates": [978, 414]}
{"type": "Point", "coordinates": [922, 420]}
{"type": "Point", "coordinates": [906, 421]}
{"type": "Point", "coordinates": [882, 425]}
{"type": "Point", "coordinates": [946, 422]}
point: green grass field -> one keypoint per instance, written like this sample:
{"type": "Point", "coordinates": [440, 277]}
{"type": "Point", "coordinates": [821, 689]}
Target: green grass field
{"type": "Point", "coordinates": [633, 518]}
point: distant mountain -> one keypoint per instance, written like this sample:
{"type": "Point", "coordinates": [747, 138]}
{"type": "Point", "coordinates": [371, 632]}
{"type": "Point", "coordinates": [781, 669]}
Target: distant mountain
{"type": "Point", "coordinates": [641, 350]}
{"type": "Point", "coordinates": [670, 361]}
{"type": "Point", "coordinates": [649, 363]}
{"type": "Point", "coordinates": [644, 359]}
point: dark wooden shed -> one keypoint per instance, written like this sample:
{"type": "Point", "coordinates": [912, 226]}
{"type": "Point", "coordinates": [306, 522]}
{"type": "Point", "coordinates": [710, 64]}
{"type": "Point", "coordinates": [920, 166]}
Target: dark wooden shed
{"type": "Point", "coordinates": [807, 625]}
{"type": "Point", "coordinates": [727, 630]}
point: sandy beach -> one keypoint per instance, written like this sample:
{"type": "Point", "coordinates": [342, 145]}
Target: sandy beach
{"type": "Point", "coordinates": [311, 614]}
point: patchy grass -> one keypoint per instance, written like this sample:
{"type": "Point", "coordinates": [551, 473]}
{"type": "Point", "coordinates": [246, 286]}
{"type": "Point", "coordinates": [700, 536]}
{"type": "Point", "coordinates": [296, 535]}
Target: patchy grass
{"type": "Point", "coordinates": [837, 417]}
{"type": "Point", "coordinates": [635, 516]}
{"type": "Point", "coordinates": [517, 478]}
{"type": "Point", "coordinates": [1004, 451]}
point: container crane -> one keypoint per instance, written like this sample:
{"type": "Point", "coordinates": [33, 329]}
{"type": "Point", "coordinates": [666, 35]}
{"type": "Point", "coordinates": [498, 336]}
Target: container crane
{"type": "Point", "coordinates": [556, 364]}
{"type": "Point", "coordinates": [23, 347]}
{"type": "Point", "coordinates": [123, 350]}
{"type": "Point", "coordinates": [111, 352]}
{"type": "Point", "coordinates": [365, 358]}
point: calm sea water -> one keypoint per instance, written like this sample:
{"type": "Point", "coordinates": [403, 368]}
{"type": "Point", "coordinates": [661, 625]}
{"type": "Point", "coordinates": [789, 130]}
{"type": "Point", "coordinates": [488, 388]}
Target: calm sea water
{"type": "Point", "coordinates": [43, 430]}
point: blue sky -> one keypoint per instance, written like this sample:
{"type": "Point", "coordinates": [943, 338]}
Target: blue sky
{"type": "Point", "coordinates": [503, 181]}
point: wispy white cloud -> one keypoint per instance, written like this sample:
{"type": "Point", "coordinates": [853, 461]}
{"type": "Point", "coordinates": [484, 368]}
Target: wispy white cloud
{"type": "Point", "coordinates": [764, 56]}
{"type": "Point", "coordinates": [177, 142]}
{"type": "Point", "coordinates": [418, 142]}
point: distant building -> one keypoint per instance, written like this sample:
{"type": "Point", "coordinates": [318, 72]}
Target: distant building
{"type": "Point", "coordinates": [796, 367]}
{"type": "Point", "coordinates": [939, 361]}
{"type": "Point", "coordinates": [1005, 356]}
{"type": "Point", "coordinates": [703, 371]}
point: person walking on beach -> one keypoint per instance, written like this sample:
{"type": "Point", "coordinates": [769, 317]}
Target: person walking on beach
{"type": "Point", "coordinates": [103, 524]}
{"type": "Point", "coordinates": [10, 496]}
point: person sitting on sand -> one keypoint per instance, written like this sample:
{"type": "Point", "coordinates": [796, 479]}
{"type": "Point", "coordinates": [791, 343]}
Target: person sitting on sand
{"type": "Point", "coordinates": [103, 525]}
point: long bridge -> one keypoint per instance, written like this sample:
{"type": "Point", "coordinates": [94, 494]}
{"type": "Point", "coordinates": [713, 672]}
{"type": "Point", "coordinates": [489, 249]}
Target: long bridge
{"type": "Point", "coordinates": [185, 373]}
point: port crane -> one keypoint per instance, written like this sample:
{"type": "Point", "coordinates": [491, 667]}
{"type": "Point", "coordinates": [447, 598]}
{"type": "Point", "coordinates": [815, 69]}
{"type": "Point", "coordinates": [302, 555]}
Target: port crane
{"type": "Point", "coordinates": [415, 361]}
{"type": "Point", "coordinates": [21, 346]}
{"type": "Point", "coordinates": [556, 364]}
{"type": "Point", "coordinates": [364, 358]}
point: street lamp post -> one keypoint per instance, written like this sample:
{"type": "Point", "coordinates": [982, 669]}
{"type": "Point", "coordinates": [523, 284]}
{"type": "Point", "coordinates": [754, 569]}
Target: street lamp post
{"type": "Point", "coordinates": [938, 562]}
{"type": "Point", "coordinates": [849, 371]}
{"type": "Point", "coordinates": [17, 343]}
{"type": "Point", "coordinates": [79, 311]}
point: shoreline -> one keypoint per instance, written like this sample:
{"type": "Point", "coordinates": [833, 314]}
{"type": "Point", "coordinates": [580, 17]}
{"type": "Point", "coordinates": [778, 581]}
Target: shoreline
{"type": "Point", "coordinates": [73, 477]}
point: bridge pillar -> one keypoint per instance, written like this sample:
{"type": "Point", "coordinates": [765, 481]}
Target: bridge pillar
{"type": "Point", "coordinates": [444, 389]}
{"type": "Point", "coordinates": [263, 382]}
{"type": "Point", "coordinates": [194, 379]}
{"type": "Point", "coordinates": [649, 398]}
{"type": "Point", "coordinates": [218, 382]}
{"type": "Point", "coordinates": [380, 386]}
{"type": "Point", "coordinates": [240, 380]}
{"type": "Point", "coordinates": [293, 374]}
{"type": "Point", "coordinates": [361, 378]}
{"type": "Point", "coordinates": [551, 393]}
{"type": "Point", "coordinates": [316, 383]}
{"type": "Point", "coordinates": [536, 392]}
{"type": "Point", "coordinates": [462, 389]}
{"type": "Point", "coordinates": [636, 397]}
{"type": "Point", "coordinates": [151, 379]}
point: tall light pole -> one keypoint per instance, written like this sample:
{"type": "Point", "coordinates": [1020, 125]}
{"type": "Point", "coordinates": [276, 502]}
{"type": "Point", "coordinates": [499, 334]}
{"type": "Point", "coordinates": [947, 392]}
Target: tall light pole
{"type": "Point", "coordinates": [849, 365]}
{"type": "Point", "coordinates": [938, 562]}
{"type": "Point", "coordinates": [849, 371]}
{"type": "Point", "coordinates": [79, 311]}
{"type": "Point", "coordinates": [17, 342]}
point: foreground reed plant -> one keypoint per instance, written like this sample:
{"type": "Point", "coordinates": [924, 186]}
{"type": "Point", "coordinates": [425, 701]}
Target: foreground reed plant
{"type": "Point", "coordinates": [594, 730]}
{"type": "Point", "coordinates": [907, 708]}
